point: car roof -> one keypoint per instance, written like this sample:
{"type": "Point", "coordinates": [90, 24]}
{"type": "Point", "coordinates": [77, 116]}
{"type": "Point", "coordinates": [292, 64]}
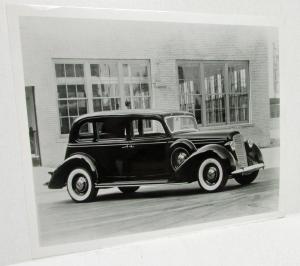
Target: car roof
{"type": "Point", "coordinates": [131, 112]}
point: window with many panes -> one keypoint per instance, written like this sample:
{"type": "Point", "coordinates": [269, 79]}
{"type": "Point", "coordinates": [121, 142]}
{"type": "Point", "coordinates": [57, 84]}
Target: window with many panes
{"type": "Point", "coordinates": [136, 85]}
{"type": "Point", "coordinates": [190, 89]}
{"type": "Point", "coordinates": [100, 85]}
{"type": "Point", "coordinates": [105, 86]}
{"type": "Point", "coordinates": [217, 92]}
{"type": "Point", "coordinates": [71, 92]}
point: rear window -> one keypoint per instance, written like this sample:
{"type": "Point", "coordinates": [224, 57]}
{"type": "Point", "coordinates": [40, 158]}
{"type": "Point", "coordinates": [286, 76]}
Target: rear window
{"type": "Point", "coordinates": [112, 128]}
{"type": "Point", "coordinates": [86, 132]}
{"type": "Point", "coordinates": [102, 129]}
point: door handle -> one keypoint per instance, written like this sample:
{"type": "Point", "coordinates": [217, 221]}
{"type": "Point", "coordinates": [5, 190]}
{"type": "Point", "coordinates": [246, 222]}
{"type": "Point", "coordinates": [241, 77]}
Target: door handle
{"type": "Point", "coordinates": [130, 146]}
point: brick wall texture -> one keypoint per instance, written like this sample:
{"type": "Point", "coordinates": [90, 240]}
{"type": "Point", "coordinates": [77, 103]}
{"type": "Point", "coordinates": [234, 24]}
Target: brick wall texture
{"type": "Point", "coordinates": [44, 39]}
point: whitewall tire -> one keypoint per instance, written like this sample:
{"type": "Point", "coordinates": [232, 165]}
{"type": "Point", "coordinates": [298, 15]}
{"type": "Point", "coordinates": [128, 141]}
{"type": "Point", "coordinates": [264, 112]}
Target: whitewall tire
{"type": "Point", "coordinates": [80, 186]}
{"type": "Point", "coordinates": [211, 175]}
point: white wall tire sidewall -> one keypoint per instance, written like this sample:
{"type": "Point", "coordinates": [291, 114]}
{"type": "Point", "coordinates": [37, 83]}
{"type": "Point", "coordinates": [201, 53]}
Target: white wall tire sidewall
{"type": "Point", "coordinates": [201, 180]}
{"type": "Point", "coordinates": [72, 193]}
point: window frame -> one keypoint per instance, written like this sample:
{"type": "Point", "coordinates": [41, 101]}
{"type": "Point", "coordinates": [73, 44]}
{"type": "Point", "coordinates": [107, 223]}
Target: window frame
{"type": "Point", "coordinates": [65, 81]}
{"type": "Point", "coordinates": [120, 79]}
{"type": "Point", "coordinates": [182, 130]}
{"type": "Point", "coordinates": [88, 80]}
{"type": "Point", "coordinates": [225, 67]}
{"type": "Point", "coordinates": [132, 137]}
{"type": "Point", "coordinates": [92, 126]}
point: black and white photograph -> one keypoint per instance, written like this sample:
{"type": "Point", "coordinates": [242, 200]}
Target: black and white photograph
{"type": "Point", "coordinates": [149, 132]}
{"type": "Point", "coordinates": [139, 126]}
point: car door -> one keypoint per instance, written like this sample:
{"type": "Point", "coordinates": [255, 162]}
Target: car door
{"type": "Point", "coordinates": [110, 148]}
{"type": "Point", "coordinates": [148, 149]}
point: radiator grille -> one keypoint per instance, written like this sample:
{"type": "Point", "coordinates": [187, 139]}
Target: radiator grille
{"type": "Point", "coordinates": [240, 150]}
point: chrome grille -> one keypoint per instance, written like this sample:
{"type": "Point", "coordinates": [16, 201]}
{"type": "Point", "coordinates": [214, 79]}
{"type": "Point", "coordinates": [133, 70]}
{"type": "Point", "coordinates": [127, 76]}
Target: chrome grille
{"type": "Point", "coordinates": [240, 150]}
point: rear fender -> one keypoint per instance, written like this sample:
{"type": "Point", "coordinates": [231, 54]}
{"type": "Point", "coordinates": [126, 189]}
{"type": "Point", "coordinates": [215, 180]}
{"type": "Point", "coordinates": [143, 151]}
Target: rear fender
{"type": "Point", "coordinates": [188, 170]}
{"type": "Point", "coordinates": [60, 174]}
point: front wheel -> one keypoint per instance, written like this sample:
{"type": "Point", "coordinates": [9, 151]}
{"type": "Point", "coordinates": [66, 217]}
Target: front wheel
{"type": "Point", "coordinates": [128, 190]}
{"type": "Point", "coordinates": [80, 185]}
{"type": "Point", "coordinates": [246, 179]}
{"type": "Point", "coordinates": [212, 176]}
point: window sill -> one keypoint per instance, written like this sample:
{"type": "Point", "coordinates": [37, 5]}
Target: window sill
{"type": "Point", "coordinates": [227, 126]}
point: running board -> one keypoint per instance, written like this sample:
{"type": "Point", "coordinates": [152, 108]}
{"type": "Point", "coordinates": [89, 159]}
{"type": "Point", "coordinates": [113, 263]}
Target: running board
{"type": "Point", "coordinates": [134, 184]}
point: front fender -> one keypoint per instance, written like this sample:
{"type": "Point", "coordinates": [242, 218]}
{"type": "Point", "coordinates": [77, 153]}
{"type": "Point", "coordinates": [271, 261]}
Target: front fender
{"type": "Point", "coordinates": [60, 174]}
{"type": "Point", "coordinates": [254, 154]}
{"type": "Point", "coordinates": [188, 170]}
{"type": "Point", "coordinates": [184, 142]}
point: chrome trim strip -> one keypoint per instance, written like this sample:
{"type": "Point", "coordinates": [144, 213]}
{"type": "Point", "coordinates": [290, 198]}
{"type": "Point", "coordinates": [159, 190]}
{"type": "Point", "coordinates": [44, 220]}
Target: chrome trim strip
{"type": "Point", "coordinates": [248, 169]}
{"type": "Point", "coordinates": [93, 144]}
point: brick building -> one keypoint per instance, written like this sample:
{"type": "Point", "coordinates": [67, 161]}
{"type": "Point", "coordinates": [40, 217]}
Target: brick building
{"type": "Point", "coordinates": [72, 66]}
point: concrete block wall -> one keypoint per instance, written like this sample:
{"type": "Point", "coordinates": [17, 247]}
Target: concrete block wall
{"type": "Point", "coordinates": [162, 43]}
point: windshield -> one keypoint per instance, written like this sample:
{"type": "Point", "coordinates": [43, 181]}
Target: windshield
{"type": "Point", "coordinates": [181, 123]}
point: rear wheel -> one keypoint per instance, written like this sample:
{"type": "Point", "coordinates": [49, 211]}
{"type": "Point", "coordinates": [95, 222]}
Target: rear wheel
{"type": "Point", "coordinates": [246, 179]}
{"type": "Point", "coordinates": [128, 190]}
{"type": "Point", "coordinates": [212, 176]}
{"type": "Point", "coordinates": [80, 185]}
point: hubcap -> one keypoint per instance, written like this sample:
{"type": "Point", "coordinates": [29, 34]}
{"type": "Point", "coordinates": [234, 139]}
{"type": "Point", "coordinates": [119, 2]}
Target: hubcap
{"type": "Point", "coordinates": [211, 173]}
{"type": "Point", "coordinates": [81, 184]}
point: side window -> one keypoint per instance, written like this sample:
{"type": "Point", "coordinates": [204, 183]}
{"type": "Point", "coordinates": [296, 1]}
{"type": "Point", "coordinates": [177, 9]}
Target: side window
{"type": "Point", "coordinates": [85, 133]}
{"type": "Point", "coordinates": [110, 128]}
{"type": "Point", "coordinates": [148, 128]}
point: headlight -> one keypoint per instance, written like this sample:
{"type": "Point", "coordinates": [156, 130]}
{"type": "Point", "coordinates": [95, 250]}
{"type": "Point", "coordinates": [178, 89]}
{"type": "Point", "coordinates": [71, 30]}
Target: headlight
{"type": "Point", "coordinates": [250, 143]}
{"type": "Point", "coordinates": [231, 144]}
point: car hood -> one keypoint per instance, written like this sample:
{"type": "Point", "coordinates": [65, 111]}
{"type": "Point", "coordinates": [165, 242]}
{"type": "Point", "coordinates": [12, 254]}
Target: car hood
{"type": "Point", "coordinates": [216, 134]}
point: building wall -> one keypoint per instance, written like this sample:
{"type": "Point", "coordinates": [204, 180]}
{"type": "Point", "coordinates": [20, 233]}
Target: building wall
{"type": "Point", "coordinates": [162, 43]}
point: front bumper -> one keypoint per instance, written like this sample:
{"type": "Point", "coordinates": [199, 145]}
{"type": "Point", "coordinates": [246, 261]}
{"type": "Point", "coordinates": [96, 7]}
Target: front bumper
{"type": "Point", "coordinates": [248, 169]}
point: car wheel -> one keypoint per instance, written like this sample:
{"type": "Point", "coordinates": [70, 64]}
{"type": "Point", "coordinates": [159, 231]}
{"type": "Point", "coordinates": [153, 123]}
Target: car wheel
{"type": "Point", "coordinates": [128, 190]}
{"type": "Point", "coordinates": [246, 179]}
{"type": "Point", "coordinates": [178, 156]}
{"type": "Point", "coordinates": [80, 185]}
{"type": "Point", "coordinates": [211, 175]}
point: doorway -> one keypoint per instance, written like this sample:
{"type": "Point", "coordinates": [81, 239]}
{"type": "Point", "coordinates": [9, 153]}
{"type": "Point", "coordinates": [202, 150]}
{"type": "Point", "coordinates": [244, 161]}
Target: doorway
{"type": "Point", "coordinates": [32, 126]}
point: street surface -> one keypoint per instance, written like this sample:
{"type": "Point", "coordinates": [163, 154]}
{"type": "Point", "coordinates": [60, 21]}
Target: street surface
{"type": "Point", "coordinates": [150, 208]}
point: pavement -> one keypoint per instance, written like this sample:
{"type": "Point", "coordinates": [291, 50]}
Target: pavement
{"type": "Point", "coordinates": [150, 208]}
{"type": "Point", "coordinates": [271, 157]}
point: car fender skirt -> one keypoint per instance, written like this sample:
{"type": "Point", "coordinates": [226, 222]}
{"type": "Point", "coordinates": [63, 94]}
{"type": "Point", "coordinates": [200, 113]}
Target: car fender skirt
{"type": "Point", "coordinates": [60, 174]}
{"type": "Point", "coordinates": [188, 170]}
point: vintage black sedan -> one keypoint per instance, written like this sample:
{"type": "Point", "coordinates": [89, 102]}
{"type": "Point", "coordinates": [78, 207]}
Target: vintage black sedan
{"type": "Point", "coordinates": [129, 149]}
